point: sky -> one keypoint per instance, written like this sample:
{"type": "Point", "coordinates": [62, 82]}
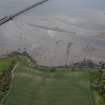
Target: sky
{"type": "Point", "coordinates": [51, 7]}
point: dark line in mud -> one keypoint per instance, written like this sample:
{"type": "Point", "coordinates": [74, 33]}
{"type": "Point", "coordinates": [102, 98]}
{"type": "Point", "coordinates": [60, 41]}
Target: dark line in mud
{"type": "Point", "coordinates": [53, 29]}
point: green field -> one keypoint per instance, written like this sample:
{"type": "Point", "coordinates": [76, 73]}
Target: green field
{"type": "Point", "coordinates": [31, 86]}
{"type": "Point", "coordinates": [4, 64]}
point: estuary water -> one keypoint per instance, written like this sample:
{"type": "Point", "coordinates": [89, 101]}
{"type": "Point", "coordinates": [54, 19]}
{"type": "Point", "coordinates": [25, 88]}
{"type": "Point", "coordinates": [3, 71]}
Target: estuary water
{"type": "Point", "coordinates": [36, 30]}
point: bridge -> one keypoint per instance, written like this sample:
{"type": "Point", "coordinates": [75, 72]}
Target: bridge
{"type": "Point", "coordinates": [11, 17]}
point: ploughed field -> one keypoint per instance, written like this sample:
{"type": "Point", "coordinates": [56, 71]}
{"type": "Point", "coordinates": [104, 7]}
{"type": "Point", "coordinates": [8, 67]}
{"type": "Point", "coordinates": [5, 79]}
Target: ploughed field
{"type": "Point", "coordinates": [33, 85]}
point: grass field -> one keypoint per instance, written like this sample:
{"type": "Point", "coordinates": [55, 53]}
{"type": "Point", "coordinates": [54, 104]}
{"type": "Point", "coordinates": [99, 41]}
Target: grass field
{"type": "Point", "coordinates": [34, 87]}
{"type": "Point", "coordinates": [5, 63]}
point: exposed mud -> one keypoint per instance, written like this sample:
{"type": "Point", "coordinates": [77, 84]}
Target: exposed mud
{"type": "Point", "coordinates": [49, 47]}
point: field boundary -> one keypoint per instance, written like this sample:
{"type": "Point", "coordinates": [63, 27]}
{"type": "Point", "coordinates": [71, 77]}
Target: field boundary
{"type": "Point", "coordinates": [91, 91]}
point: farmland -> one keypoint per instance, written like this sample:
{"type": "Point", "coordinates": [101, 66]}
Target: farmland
{"type": "Point", "coordinates": [4, 64]}
{"type": "Point", "coordinates": [31, 86]}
